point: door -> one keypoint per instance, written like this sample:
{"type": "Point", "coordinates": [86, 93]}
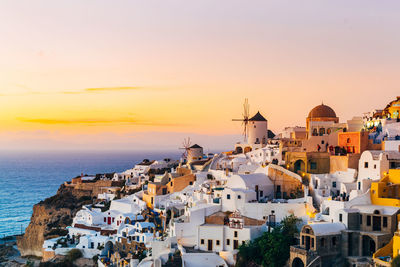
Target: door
{"type": "Point", "coordinates": [257, 192]}
{"type": "Point", "coordinates": [376, 223]}
{"type": "Point", "coordinates": [235, 244]}
{"type": "Point", "coordinates": [308, 241]}
{"type": "Point", "coordinates": [109, 220]}
{"type": "Point", "coordinates": [210, 245]}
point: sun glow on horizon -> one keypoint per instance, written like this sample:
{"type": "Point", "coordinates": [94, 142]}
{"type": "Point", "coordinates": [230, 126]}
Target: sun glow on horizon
{"type": "Point", "coordinates": [111, 73]}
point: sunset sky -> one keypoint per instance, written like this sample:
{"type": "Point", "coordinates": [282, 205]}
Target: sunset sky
{"type": "Point", "coordinates": [145, 74]}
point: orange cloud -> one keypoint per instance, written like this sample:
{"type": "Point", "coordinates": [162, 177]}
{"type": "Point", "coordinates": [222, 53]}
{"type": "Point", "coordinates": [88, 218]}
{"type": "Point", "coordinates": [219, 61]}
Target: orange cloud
{"type": "Point", "coordinates": [83, 91]}
{"type": "Point", "coordinates": [103, 89]}
{"type": "Point", "coordinates": [92, 121]}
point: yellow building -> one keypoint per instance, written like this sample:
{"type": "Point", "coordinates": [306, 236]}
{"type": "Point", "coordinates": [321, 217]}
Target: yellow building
{"type": "Point", "coordinates": [386, 192]}
{"type": "Point", "coordinates": [392, 110]}
{"type": "Point", "coordinates": [307, 162]}
{"type": "Point", "coordinates": [385, 255]}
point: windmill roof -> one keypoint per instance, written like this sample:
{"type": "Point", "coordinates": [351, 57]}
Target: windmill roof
{"type": "Point", "coordinates": [195, 146]}
{"type": "Point", "coordinates": [257, 117]}
{"type": "Point", "coordinates": [270, 134]}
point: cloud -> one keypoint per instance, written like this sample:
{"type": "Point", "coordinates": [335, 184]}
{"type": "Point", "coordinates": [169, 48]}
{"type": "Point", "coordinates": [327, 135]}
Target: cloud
{"type": "Point", "coordinates": [105, 89]}
{"type": "Point", "coordinates": [92, 121]}
{"type": "Point", "coordinates": [82, 91]}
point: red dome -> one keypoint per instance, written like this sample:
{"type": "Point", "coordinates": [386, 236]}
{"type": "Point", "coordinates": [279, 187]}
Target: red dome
{"type": "Point", "coordinates": [322, 111]}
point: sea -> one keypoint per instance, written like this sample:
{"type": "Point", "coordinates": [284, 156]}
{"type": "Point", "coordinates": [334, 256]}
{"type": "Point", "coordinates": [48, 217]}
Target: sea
{"type": "Point", "coordinates": [26, 178]}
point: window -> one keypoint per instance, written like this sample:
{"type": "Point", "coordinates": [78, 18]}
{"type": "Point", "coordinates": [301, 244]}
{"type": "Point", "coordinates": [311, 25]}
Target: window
{"type": "Point", "coordinates": [235, 234]}
{"type": "Point", "coordinates": [368, 220]}
{"type": "Point", "coordinates": [359, 185]}
{"type": "Point", "coordinates": [322, 142]}
{"type": "Point", "coordinates": [217, 242]}
{"type": "Point", "coordinates": [261, 193]}
{"type": "Point", "coordinates": [190, 183]}
{"type": "Point", "coordinates": [105, 219]}
{"type": "Point", "coordinates": [374, 166]}
{"type": "Point", "coordinates": [202, 241]}
{"type": "Point", "coordinates": [322, 242]}
{"type": "Point", "coordinates": [172, 183]}
{"type": "Point", "coordinates": [313, 165]}
{"type": "Point", "coordinates": [334, 241]}
{"type": "Point", "coordinates": [361, 219]}
{"type": "Point", "coordinates": [366, 165]}
{"type": "Point", "coordinates": [312, 242]}
{"type": "Point", "coordinates": [340, 217]}
{"type": "Point", "coordinates": [239, 196]}
{"type": "Point", "coordinates": [384, 222]}
{"type": "Point", "coordinates": [302, 239]}
{"type": "Point", "coordinates": [228, 242]}
{"type": "Point", "coordinates": [228, 196]}
{"type": "Point", "coordinates": [334, 184]}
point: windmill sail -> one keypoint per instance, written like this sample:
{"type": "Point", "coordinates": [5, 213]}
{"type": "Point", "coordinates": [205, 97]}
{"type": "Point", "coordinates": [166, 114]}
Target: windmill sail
{"type": "Point", "coordinates": [245, 119]}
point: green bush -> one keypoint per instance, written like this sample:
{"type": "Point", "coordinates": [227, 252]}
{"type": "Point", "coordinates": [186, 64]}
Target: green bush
{"type": "Point", "coordinates": [95, 258]}
{"type": "Point", "coordinates": [73, 255]}
{"type": "Point", "coordinates": [272, 248]}
{"type": "Point", "coordinates": [395, 262]}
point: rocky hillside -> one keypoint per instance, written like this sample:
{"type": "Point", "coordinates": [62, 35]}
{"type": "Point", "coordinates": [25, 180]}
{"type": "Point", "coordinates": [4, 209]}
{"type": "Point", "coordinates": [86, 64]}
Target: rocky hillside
{"type": "Point", "coordinates": [50, 217]}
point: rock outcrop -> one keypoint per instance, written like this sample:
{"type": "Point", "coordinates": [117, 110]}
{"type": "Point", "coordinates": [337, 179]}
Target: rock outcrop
{"type": "Point", "coordinates": [50, 217]}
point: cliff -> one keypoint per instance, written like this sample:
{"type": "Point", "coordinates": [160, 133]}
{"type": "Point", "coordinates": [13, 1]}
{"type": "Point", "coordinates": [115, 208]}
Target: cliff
{"type": "Point", "coordinates": [50, 217]}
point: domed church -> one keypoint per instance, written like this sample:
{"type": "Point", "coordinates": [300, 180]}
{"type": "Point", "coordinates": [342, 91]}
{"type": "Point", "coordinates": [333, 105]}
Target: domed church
{"type": "Point", "coordinates": [322, 120]}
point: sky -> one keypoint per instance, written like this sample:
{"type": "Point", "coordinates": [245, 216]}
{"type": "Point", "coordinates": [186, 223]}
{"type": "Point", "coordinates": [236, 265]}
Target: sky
{"type": "Point", "coordinates": [126, 75]}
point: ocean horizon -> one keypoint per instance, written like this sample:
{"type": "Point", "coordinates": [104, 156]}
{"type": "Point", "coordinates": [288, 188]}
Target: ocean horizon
{"type": "Point", "coordinates": [27, 177]}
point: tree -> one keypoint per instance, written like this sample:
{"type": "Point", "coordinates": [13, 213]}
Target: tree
{"type": "Point", "coordinates": [395, 262]}
{"type": "Point", "coordinates": [73, 255]}
{"type": "Point", "coordinates": [272, 248]}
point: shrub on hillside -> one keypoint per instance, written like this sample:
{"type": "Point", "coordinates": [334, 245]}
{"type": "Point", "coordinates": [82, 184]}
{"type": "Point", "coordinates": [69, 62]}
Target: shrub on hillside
{"type": "Point", "coordinates": [74, 254]}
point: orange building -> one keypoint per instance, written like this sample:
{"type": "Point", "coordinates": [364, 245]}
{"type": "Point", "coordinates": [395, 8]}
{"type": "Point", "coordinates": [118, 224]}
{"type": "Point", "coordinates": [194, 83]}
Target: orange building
{"type": "Point", "coordinates": [168, 184]}
{"type": "Point", "coordinates": [353, 142]}
{"type": "Point", "coordinates": [356, 142]}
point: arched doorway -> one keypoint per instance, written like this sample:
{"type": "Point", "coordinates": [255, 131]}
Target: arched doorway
{"type": "Point", "coordinates": [239, 150]}
{"type": "Point", "coordinates": [368, 245]}
{"type": "Point", "coordinates": [247, 149]}
{"type": "Point", "coordinates": [108, 249]}
{"type": "Point", "coordinates": [299, 165]}
{"type": "Point", "coordinates": [297, 262]}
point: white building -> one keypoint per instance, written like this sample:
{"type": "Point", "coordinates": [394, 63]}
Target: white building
{"type": "Point", "coordinates": [372, 166]}
{"type": "Point", "coordinates": [88, 217]}
{"type": "Point", "coordinates": [218, 237]}
{"type": "Point", "coordinates": [265, 155]}
{"type": "Point", "coordinates": [257, 182]}
{"type": "Point", "coordinates": [129, 204]}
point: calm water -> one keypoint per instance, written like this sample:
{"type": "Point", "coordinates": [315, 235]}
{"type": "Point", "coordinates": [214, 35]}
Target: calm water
{"type": "Point", "coordinates": [29, 177]}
